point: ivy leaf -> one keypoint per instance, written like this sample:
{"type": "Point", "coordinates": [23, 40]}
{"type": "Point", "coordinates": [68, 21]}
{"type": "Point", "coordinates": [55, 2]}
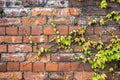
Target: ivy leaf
{"type": "Point", "coordinates": [102, 22]}
{"type": "Point", "coordinates": [103, 4]}
{"type": "Point", "coordinates": [111, 69]}
{"type": "Point", "coordinates": [118, 1]}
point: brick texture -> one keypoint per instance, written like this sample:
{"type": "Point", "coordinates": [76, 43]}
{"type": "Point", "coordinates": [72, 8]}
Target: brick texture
{"type": "Point", "coordinates": [25, 27]}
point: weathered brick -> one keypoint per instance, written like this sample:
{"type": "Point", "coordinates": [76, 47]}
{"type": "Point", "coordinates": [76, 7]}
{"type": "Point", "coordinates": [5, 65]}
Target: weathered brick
{"type": "Point", "coordinates": [2, 67]}
{"type": "Point", "coordinates": [36, 30]}
{"type": "Point", "coordinates": [42, 11]}
{"type": "Point", "coordinates": [10, 39]}
{"type": "Point", "coordinates": [51, 67]}
{"type": "Point", "coordinates": [33, 21]}
{"type": "Point", "coordinates": [35, 76]}
{"type": "Point", "coordinates": [38, 67]}
{"type": "Point", "coordinates": [83, 75]}
{"type": "Point", "coordinates": [30, 2]}
{"type": "Point", "coordinates": [43, 57]}
{"type": "Point", "coordinates": [89, 30]}
{"type": "Point", "coordinates": [87, 67]}
{"type": "Point", "coordinates": [68, 12]}
{"type": "Point", "coordinates": [117, 76]}
{"type": "Point", "coordinates": [113, 30]}
{"type": "Point", "coordinates": [16, 12]}
{"type": "Point", "coordinates": [64, 66]}
{"type": "Point", "coordinates": [13, 57]}
{"type": "Point", "coordinates": [106, 38]}
{"type": "Point", "coordinates": [12, 66]}
{"type": "Point", "coordinates": [9, 21]}
{"type": "Point", "coordinates": [11, 75]}
{"type": "Point", "coordinates": [61, 76]}
{"type": "Point", "coordinates": [13, 3]}
{"type": "Point", "coordinates": [11, 30]}
{"type": "Point", "coordinates": [84, 3]}
{"type": "Point", "coordinates": [2, 3]}
{"type": "Point", "coordinates": [36, 39]}
{"type": "Point", "coordinates": [94, 11]}
{"type": "Point", "coordinates": [3, 48]}
{"type": "Point", "coordinates": [24, 30]}
{"type": "Point", "coordinates": [93, 37]}
{"type": "Point", "coordinates": [99, 30]}
{"type": "Point", "coordinates": [25, 67]}
{"type": "Point", "coordinates": [57, 3]}
{"type": "Point", "coordinates": [107, 30]}
{"type": "Point", "coordinates": [2, 30]}
{"type": "Point", "coordinates": [60, 21]}
{"type": "Point", "coordinates": [62, 57]}
{"type": "Point", "coordinates": [20, 48]}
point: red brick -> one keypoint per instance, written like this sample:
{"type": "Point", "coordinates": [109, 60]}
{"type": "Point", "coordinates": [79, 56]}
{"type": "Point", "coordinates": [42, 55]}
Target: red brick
{"type": "Point", "coordinates": [37, 30]}
{"type": "Point", "coordinates": [38, 67]}
{"type": "Point", "coordinates": [24, 31]}
{"type": "Point", "coordinates": [99, 30]}
{"type": "Point", "coordinates": [63, 29]}
{"type": "Point", "coordinates": [13, 57]}
{"type": "Point", "coordinates": [113, 30]}
{"type": "Point", "coordinates": [89, 30]}
{"type": "Point", "coordinates": [12, 66]}
{"type": "Point", "coordinates": [87, 67]}
{"type": "Point", "coordinates": [25, 67]}
{"type": "Point", "coordinates": [64, 66]}
{"type": "Point", "coordinates": [48, 30]}
{"type": "Point", "coordinates": [3, 48]}
{"type": "Point", "coordinates": [106, 38]}
{"type": "Point", "coordinates": [2, 30]}
{"type": "Point", "coordinates": [94, 37]}
{"type": "Point", "coordinates": [20, 48]}
{"type": "Point", "coordinates": [3, 67]}
{"type": "Point", "coordinates": [11, 31]}
{"type": "Point", "coordinates": [77, 66]}
{"type": "Point", "coordinates": [71, 28]}
{"type": "Point", "coordinates": [36, 39]}
{"type": "Point", "coordinates": [45, 46]}
{"type": "Point", "coordinates": [11, 75]}
{"type": "Point", "coordinates": [9, 21]}
{"type": "Point", "coordinates": [10, 39]}
{"type": "Point", "coordinates": [42, 11]}
{"type": "Point", "coordinates": [60, 21]}
{"type": "Point", "coordinates": [43, 57]}
{"type": "Point", "coordinates": [51, 67]}
{"type": "Point", "coordinates": [83, 75]}
{"type": "Point", "coordinates": [35, 76]}
{"type": "Point", "coordinates": [76, 48]}
{"type": "Point", "coordinates": [33, 21]}
{"type": "Point", "coordinates": [63, 12]}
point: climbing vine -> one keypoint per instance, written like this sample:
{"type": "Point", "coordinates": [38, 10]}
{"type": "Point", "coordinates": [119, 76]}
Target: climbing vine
{"type": "Point", "coordinates": [105, 53]}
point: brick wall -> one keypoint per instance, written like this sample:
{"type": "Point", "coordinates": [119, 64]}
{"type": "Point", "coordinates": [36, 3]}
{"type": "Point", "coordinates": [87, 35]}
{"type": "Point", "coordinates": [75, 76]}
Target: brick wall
{"type": "Point", "coordinates": [35, 17]}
